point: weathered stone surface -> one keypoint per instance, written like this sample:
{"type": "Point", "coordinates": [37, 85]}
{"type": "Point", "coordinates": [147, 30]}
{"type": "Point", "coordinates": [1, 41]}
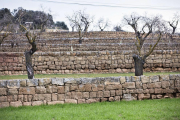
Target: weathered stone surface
{"type": "Point", "coordinates": [165, 84]}
{"type": "Point", "coordinates": [70, 101]}
{"type": "Point", "coordinates": [57, 81]}
{"type": "Point", "coordinates": [76, 95]}
{"type": "Point", "coordinates": [117, 98]}
{"type": "Point", "coordinates": [136, 78]}
{"type": "Point", "coordinates": [68, 95]}
{"type": "Point", "coordinates": [100, 87]}
{"type": "Point", "coordinates": [3, 91]}
{"type": "Point", "coordinates": [13, 83]}
{"type": "Point", "coordinates": [54, 97]}
{"type": "Point", "coordinates": [100, 94]}
{"type": "Point", "coordinates": [4, 104]}
{"type": "Point", "coordinates": [157, 84]}
{"type": "Point", "coordinates": [85, 95]}
{"type": "Point", "coordinates": [129, 85]}
{"type": "Point", "coordinates": [35, 103]}
{"type": "Point", "coordinates": [23, 83]}
{"type": "Point", "coordinates": [163, 77]}
{"type": "Point", "coordinates": [51, 89]}
{"type": "Point", "coordinates": [13, 91]}
{"type": "Point", "coordinates": [32, 82]}
{"type": "Point", "coordinates": [118, 92]}
{"type": "Point", "coordinates": [73, 87]}
{"type": "Point", "coordinates": [158, 90]}
{"type": "Point", "coordinates": [106, 94]}
{"type": "Point", "coordinates": [92, 94]}
{"type": "Point", "coordinates": [103, 99]}
{"type": "Point", "coordinates": [111, 99]}
{"type": "Point", "coordinates": [151, 85]}
{"type": "Point", "coordinates": [27, 103]}
{"type": "Point", "coordinates": [12, 98]}
{"type": "Point", "coordinates": [128, 97]}
{"type": "Point", "coordinates": [86, 80]}
{"type": "Point", "coordinates": [88, 87]}
{"type": "Point", "coordinates": [3, 83]}
{"type": "Point", "coordinates": [61, 89]}
{"type": "Point", "coordinates": [41, 97]}
{"type": "Point", "coordinates": [60, 97]}
{"type": "Point", "coordinates": [16, 104]}
{"type": "Point", "coordinates": [154, 78]}
{"type": "Point", "coordinates": [72, 80]}
{"type": "Point", "coordinates": [159, 96]}
{"type": "Point", "coordinates": [44, 81]}
{"type": "Point", "coordinates": [145, 79]}
{"type": "Point", "coordinates": [26, 90]}
{"type": "Point", "coordinates": [80, 101]}
{"type": "Point", "coordinates": [3, 98]}
{"type": "Point", "coordinates": [122, 79]}
{"type": "Point", "coordinates": [112, 80]}
{"type": "Point", "coordinates": [55, 102]}
{"type": "Point", "coordinates": [91, 101]}
{"type": "Point", "coordinates": [40, 90]}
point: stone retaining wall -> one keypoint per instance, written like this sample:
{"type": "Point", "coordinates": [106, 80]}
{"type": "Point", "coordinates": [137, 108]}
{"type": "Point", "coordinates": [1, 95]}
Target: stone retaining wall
{"type": "Point", "coordinates": [87, 62]}
{"type": "Point", "coordinates": [32, 92]}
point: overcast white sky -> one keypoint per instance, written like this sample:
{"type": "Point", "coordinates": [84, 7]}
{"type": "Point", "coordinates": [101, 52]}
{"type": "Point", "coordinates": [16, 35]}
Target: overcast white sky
{"type": "Point", "coordinates": [114, 14]}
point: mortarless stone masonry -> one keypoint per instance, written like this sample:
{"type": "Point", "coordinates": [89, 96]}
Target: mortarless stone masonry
{"type": "Point", "coordinates": [33, 92]}
{"type": "Point", "coordinates": [87, 62]}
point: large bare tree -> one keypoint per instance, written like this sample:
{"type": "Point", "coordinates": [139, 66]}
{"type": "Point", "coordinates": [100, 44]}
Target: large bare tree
{"type": "Point", "coordinates": [81, 21]}
{"type": "Point", "coordinates": [143, 26]}
{"type": "Point", "coordinates": [103, 24]}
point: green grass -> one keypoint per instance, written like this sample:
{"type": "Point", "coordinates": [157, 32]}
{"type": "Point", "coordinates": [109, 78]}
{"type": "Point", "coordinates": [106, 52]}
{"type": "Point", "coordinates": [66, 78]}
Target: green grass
{"type": "Point", "coordinates": [164, 109]}
{"type": "Point", "coordinates": [91, 75]}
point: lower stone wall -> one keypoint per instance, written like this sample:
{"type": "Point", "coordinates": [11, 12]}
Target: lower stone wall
{"type": "Point", "coordinates": [31, 92]}
{"type": "Point", "coordinates": [87, 62]}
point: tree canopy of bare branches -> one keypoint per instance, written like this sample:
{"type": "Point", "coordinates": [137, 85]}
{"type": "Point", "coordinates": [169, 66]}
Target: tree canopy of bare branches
{"type": "Point", "coordinates": [174, 22]}
{"type": "Point", "coordinates": [103, 24]}
{"type": "Point", "coordinates": [143, 26]}
{"type": "Point", "coordinates": [81, 21]}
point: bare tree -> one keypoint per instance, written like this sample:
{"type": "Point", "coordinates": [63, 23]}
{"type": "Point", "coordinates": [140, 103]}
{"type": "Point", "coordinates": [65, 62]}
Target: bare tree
{"type": "Point", "coordinates": [81, 21]}
{"type": "Point", "coordinates": [31, 36]}
{"type": "Point", "coordinates": [117, 28]}
{"type": "Point", "coordinates": [103, 24]}
{"type": "Point", "coordinates": [174, 22]}
{"type": "Point", "coordinates": [143, 26]}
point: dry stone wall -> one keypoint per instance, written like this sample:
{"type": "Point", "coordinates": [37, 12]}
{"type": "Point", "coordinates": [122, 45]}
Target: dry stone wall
{"type": "Point", "coordinates": [31, 92]}
{"type": "Point", "coordinates": [87, 62]}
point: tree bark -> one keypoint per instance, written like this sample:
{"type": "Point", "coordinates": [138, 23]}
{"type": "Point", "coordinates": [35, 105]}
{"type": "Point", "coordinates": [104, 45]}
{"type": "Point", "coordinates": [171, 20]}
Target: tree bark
{"type": "Point", "coordinates": [139, 62]}
{"type": "Point", "coordinates": [29, 66]}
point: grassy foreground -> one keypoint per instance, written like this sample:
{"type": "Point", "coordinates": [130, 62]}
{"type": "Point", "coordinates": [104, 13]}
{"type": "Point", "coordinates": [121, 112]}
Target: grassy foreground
{"type": "Point", "coordinates": [90, 75]}
{"type": "Point", "coordinates": [164, 109]}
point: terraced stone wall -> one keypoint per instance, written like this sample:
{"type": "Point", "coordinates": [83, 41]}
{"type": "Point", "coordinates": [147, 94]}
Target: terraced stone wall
{"type": "Point", "coordinates": [87, 62]}
{"type": "Point", "coordinates": [31, 92]}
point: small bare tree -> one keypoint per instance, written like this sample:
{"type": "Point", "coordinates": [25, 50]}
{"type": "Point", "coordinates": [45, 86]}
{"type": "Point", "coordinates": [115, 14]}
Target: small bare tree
{"type": "Point", "coordinates": [81, 21]}
{"type": "Point", "coordinates": [31, 36]}
{"type": "Point", "coordinates": [103, 24]}
{"type": "Point", "coordinates": [143, 26]}
{"type": "Point", "coordinates": [174, 22]}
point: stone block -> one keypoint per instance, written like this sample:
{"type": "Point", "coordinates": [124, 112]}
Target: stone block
{"type": "Point", "coordinates": [138, 85]}
{"type": "Point", "coordinates": [88, 87]}
{"type": "Point", "coordinates": [158, 90]}
{"type": "Point", "coordinates": [40, 90]}
{"type": "Point", "coordinates": [144, 86]}
{"type": "Point", "coordinates": [112, 80]}
{"type": "Point", "coordinates": [13, 83]}
{"type": "Point", "coordinates": [22, 83]}
{"type": "Point", "coordinates": [153, 96]}
{"type": "Point", "coordinates": [16, 104]}
{"type": "Point", "coordinates": [112, 93]}
{"type": "Point", "coordinates": [154, 78]}
{"type": "Point", "coordinates": [128, 97]}
{"type": "Point", "coordinates": [76, 95]}
{"type": "Point", "coordinates": [41, 97]}
{"type": "Point", "coordinates": [146, 96]}
{"type": "Point", "coordinates": [100, 94]}
{"type": "Point", "coordinates": [140, 96]}
{"type": "Point", "coordinates": [129, 85]}
{"type": "Point", "coordinates": [145, 79]}
{"type": "Point", "coordinates": [122, 80]}
{"type": "Point", "coordinates": [73, 87]}
{"type": "Point", "coordinates": [82, 88]}
{"type": "Point", "coordinates": [20, 98]}
{"type": "Point", "coordinates": [86, 80]}
{"type": "Point", "coordinates": [12, 91]}
{"type": "Point", "coordinates": [103, 99]}
{"type": "Point", "coordinates": [80, 101]}
{"type": "Point", "coordinates": [85, 95]}
{"type": "Point", "coordinates": [165, 84]}
{"type": "Point", "coordinates": [118, 92]}
{"type": "Point", "coordinates": [92, 94]}
{"type": "Point", "coordinates": [68, 95]}
{"type": "Point", "coordinates": [54, 97]}
{"type": "Point", "coordinates": [51, 89]}
{"type": "Point", "coordinates": [136, 78]}
{"type": "Point", "coordinates": [3, 91]}
{"type": "Point", "coordinates": [57, 81]}
{"type": "Point", "coordinates": [32, 82]}
{"type": "Point", "coordinates": [61, 89]}
{"type": "Point", "coordinates": [111, 99]}
{"type": "Point", "coordinates": [117, 98]}
{"type": "Point", "coordinates": [100, 87]}
{"type": "Point", "coordinates": [159, 96]}
{"type": "Point", "coordinates": [94, 87]}
{"type": "Point", "coordinates": [3, 83]}
{"type": "Point", "coordinates": [163, 77]}
{"type": "Point", "coordinates": [3, 98]}
{"type": "Point", "coordinates": [27, 103]}
{"type": "Point", "coordinates": [157, 84]}
{"type": "Point", "coordinates": [91, 101]}
{"type": "Point", "coordinates": [44, 81]}
{"type": "Point", "coordinates": [71, 101]}
{"type": "Point", "coordinates": [27, 90]}
{"type": "Point", "coordinates": [72, 80]}
{"type": "Point", "coordinates": [55, 102]}
{"type": "Point", "coordinates": [151, 85]}
{"type": "Point", "coordinates": [4, 104]}
{"type": "Point", "coordinates": [36, 103]}
{"type": "Point", "coordinates": [60, 97]}
{"type": "Point", "coordinates": [106, 94]}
